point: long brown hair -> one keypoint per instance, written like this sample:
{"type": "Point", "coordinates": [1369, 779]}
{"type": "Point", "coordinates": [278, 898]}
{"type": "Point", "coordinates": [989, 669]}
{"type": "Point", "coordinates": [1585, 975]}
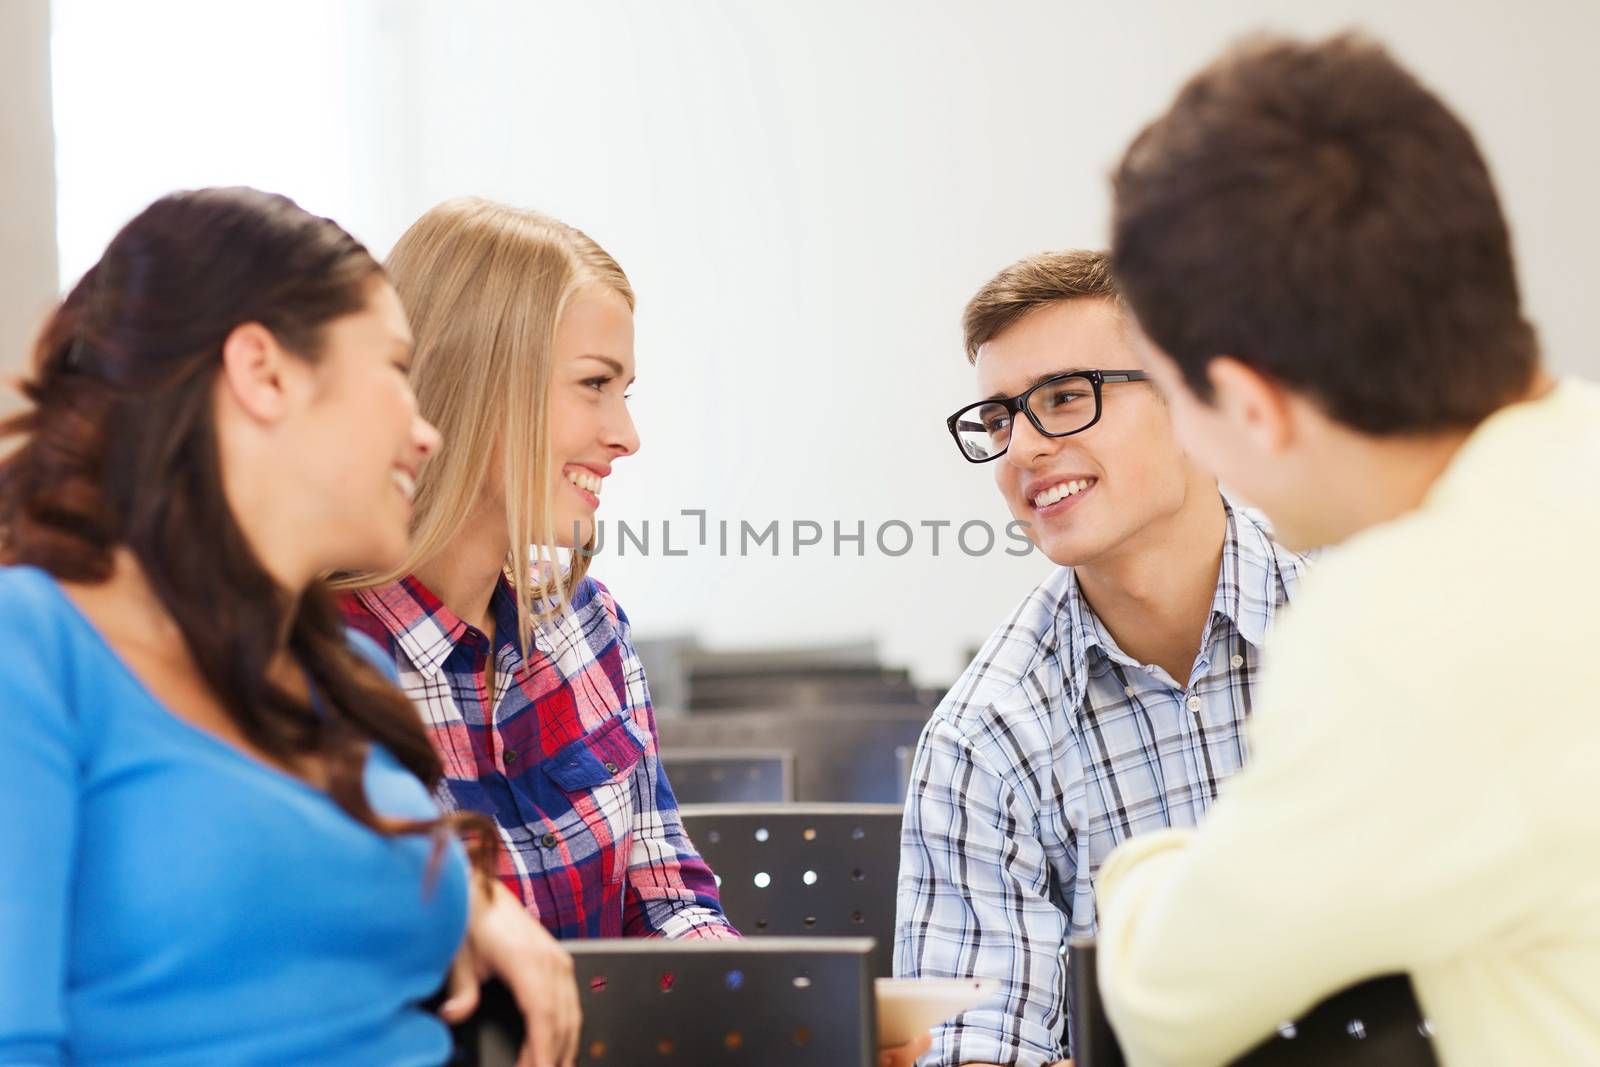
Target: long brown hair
{"type": "Point", "coordinates": [119, 449]}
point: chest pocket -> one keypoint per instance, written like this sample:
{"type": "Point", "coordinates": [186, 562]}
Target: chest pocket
{"type": "Point", "coordinates": [596, 773]}
{"type": "Point", "coordinates": [607, 754]}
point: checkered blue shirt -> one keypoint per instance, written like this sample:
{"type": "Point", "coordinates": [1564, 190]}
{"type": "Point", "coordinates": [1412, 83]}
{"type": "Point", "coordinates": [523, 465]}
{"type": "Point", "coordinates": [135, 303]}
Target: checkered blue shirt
{"type": "Point", "coordinates": [563, 754]}
{"type": "Point", "coordinates": [1052, 749]}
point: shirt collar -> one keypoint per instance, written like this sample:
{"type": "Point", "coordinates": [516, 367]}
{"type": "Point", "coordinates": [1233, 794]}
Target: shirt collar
{"type": "Point", "coordinates": [1249, 561]}
{"type": "Point", "coordinates": [423, 627]}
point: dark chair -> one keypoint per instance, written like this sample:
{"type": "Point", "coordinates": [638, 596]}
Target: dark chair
{"type": "Point", "coordinates": [845, 655]}
{"type": "Point", "coordinates": [675, 665]}
{"type": "Point", "coordinates": [809, 689]}
{"type": "Point", "coordinates": [810, 870]}
{"type": "Point", "coordinates": [841, 754]}
{"type": "Point", "coordinates": [1377, 1023]}
{"type": "Point", "coordinates": [730, 775]}
{"type": "Point", "coordinates": [800, 671]}
{"type": "Point", "coordinates": [773, 1001]}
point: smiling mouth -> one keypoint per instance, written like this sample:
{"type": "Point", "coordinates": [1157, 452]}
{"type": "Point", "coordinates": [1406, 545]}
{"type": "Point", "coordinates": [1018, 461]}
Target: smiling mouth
{"type": "Point", "coordinates": [1063, 491]}
{"type": "Point", "coordinates": [588, 481]}
{"type": "Point", "coordinates": [404, 482]}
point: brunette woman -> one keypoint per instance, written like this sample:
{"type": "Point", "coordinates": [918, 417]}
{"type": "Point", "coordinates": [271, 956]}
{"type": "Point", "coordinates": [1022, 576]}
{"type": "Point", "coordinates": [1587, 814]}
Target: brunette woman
{"type": "Point", "coordinates": [218, 844]}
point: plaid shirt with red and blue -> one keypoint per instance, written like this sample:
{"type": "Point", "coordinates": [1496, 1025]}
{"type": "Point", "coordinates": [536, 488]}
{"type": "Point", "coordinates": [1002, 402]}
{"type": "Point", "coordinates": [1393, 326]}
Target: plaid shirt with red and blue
{"type": "Point", "coordinates": [563, 754]}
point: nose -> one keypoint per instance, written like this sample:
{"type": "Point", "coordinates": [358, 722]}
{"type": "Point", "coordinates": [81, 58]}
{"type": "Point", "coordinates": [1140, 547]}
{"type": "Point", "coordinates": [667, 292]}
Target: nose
{"type": "Point", "coordinates": [620, 434]}
{"type": "Point", "coordinates": [1028, 446]}
{"type": "Point", "coordinates": [425, 439]}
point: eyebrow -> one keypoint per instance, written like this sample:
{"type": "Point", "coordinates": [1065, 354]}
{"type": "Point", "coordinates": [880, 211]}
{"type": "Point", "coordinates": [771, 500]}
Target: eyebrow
{"type": "Point", "coordinates": [1046, 376]}
{"type": "Point", "coordinates": [616, 368]}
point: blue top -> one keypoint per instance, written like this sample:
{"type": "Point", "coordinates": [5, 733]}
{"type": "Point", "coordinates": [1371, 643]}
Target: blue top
{"type": "Point", "coordinates": [167, 900]}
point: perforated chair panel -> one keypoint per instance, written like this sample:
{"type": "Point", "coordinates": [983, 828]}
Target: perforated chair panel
{"type": "Point", "coordinates": [775, 1001]}
{"type": "Point", "coordinates": [806, 870]}
{"type": "Point", "coordinates": [1377, 1023]}
{"type": "Point", "coordinates": [730, 776]}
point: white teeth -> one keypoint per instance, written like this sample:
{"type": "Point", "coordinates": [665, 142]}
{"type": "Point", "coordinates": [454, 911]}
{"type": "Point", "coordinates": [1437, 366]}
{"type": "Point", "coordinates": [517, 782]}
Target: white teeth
{"type": "Point", "coordinates": [585, 480]}
{"type": "Point", "coordinates": [404, 482]}
{"type": "Point", "coordinates": [1056, 492]}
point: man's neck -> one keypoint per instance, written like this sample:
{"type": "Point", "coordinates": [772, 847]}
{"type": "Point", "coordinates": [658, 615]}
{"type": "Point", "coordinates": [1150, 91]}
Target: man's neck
{"type": "Point", "coordinates": [1377, 480]}
{"type": "Point", "coordinates": [1366, 481]}
{"type": "Point", "coordinates": [1154, 593]}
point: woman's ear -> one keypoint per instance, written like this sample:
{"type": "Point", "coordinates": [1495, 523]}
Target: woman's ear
{"type": "Point", "coordinates": [1257, 404]}
{"type": "Point", "coordinates": [254, 369]}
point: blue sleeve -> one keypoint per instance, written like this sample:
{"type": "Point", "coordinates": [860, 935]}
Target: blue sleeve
{"type": "Point", "coordinates": [39, 761]}
{"type": "Point", "coordinates": [368, 649]}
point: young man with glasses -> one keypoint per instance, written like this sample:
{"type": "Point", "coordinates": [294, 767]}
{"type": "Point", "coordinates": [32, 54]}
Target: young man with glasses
{"type": "Point", "coordinates": [1325, 289]}
{"type": "Point", "coordinates": [1111, 702]}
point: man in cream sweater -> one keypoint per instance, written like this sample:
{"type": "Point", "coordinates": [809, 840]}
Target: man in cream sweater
{"type": "Point", "coordinates": [1323, 280]}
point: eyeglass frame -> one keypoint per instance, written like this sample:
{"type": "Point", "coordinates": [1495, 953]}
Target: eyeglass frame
{"type": "Point", "coordinates": [1013, 404]}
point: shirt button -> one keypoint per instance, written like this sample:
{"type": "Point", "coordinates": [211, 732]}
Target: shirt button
{"type": "Point", "coordinates": [611, 768]}
{"type": "Point", "coordinates": [1127, 690]}
{"type": "Point", "coordinates": [1194, 705]}
{"type": "Point", "coordinates": [1236, 662]}
{"type": "Point", "coordinates": [548, 840]}
{"type": "Point", "coordinates": [511, 755]}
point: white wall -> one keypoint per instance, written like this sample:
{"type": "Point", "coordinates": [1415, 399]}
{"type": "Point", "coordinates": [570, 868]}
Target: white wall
{"type": "Point", "coordinates": [27, 164]}
{"type": "Point", "coordinates": [804, 196]}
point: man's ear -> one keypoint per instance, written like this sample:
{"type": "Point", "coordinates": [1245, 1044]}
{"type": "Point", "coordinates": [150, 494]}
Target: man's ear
{"type": "Point", "coordinates": [253, 371]}
{"type": "Point", "coordinates": [1254, 402]}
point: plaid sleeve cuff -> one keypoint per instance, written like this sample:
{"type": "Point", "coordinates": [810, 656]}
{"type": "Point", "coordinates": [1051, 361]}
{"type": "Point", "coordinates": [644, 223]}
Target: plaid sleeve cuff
{"type": "Point", "coordinates": [701, 924]}
{"type": "Point", "coordinates": [987, 1036]}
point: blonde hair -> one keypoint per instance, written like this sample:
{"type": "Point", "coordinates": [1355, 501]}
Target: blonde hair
{"type": "Point", "coordinates": [1032, 283]}
{"type": "Point", "coordinates": [485, 286]}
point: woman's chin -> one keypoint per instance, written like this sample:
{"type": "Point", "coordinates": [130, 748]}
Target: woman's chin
{"type": "Point", "coordinates": [574, 531]}
{"type": "Point", "coordinates": [376, 559]}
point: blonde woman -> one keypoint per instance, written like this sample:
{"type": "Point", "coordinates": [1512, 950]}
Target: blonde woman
{"type": "Point", "coordinates": [525, 672]}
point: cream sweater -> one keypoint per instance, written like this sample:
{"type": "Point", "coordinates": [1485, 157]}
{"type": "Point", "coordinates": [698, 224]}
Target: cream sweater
{"type": "Point", "coordinates": [1424, 788]}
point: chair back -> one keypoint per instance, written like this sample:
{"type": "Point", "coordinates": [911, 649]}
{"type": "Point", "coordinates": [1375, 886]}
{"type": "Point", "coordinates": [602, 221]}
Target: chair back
{"type": "Point", "coordinates": [804, 870]}
{"type": "Point", "coordinates": [774, 1001]}
{"type": "Point", "coordinates": [841, 754]}
{"type": "Point", "coordinates": [730, 775]}
{"type": "Point", "coordinates": [1377, 1023]}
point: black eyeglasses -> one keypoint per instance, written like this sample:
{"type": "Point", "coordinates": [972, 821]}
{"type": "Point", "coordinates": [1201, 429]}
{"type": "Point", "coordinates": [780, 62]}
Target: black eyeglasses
{"type": "Point", "coordinates": [1058, 407]}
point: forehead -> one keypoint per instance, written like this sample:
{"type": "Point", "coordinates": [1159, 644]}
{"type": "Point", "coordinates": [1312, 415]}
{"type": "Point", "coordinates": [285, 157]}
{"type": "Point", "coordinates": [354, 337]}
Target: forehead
{"type": "Point", "coordinates": [380, 321]}
{"type": "Point", "coordinates": [1066, 335]}
{"type": "Point", "coordinates": [391, 313]}
{"type": "Point", "coordinates": [597, 321]}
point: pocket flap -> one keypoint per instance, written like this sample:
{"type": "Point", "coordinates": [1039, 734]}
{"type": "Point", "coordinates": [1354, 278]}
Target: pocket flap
{"type": "Point", "coordinates": [607, 754]}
